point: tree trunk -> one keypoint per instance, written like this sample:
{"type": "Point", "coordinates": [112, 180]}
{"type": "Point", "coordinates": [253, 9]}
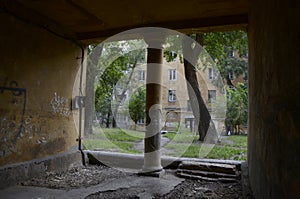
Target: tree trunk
{"type": "Point", "coordinates": [108, 120]}
{"type": "Point", "coordinates": [229, 82]}
{"type": "Point", "coordinates": [200, 111]}
{"type": "Point", "coordinates": [114, 123]}
{"type": "Point", "coordinates": [121, 97]}
{"type": "Point", "coordinates": [90, 93]}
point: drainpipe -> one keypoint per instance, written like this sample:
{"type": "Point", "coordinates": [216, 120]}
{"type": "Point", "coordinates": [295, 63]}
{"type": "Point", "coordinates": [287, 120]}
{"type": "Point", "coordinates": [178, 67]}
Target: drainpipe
{"type": "Point", "coordinates": [80, 102]}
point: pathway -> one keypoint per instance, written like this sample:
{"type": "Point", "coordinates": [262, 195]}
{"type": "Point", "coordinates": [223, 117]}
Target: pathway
{"type": "Point", "coordinates": [140, 146]}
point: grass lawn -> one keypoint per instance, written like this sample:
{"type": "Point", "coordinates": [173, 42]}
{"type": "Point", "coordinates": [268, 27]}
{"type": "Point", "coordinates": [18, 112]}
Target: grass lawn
{"type": "Point", "coordinates": [184, 144]}
{"type": "Point", "coordinates": [108, 145]}
{"type": "Point", "coordinates": [184, 137]}
{"type": "Point", "coordinates": [113, 140]}
{"type": "Point", "coordinates": [116, 134]}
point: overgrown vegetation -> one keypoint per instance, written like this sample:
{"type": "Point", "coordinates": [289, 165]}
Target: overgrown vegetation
{"type": "Point", "coordinates": [237, 108]}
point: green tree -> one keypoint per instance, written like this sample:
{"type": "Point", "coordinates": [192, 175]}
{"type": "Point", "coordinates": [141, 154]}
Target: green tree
{"type": "Point", "coordinates": [104, 90]}
{"type": "Point", "coordinates": [137, 105]}
{"type": "Point", "coordinates": [94, 53]}
{"type": "Point", "coordinates": [115, 69]}
{"type": "Point", "coordinates": [220, 47]}
{"type": "Point", "coordinates": [191, 55]}
{"type": "Point", "coordinates": [237, 107]}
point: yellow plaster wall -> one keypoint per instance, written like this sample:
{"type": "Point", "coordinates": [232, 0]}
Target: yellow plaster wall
{"type": "Point", "coordinates": [37, 74]}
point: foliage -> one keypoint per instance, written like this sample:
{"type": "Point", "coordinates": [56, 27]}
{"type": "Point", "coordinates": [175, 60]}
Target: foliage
{"type": "Point", "coordinates": [137, 105]}
{"type": "Point", "coordinates": [115, 69]}
{"type": "Point", "coordinates": [219, 46]}
{"type": "Point", "coordinates": [237, 105]}
{"type": "Point", "coordinates": [104, 89]}
{"type": "Point", "coordinates": [227, 153]}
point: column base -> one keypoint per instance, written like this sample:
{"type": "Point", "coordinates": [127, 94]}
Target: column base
{"type": "Point", "coordinates": [157, 173]}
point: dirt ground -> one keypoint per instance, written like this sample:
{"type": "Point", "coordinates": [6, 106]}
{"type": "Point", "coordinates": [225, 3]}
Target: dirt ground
{"type": "Point", "coordinates": [92, 175]}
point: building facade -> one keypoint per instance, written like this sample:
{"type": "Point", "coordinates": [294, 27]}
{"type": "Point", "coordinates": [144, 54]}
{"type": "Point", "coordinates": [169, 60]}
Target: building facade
{"type": "Point", "coordinates": [176, 108]}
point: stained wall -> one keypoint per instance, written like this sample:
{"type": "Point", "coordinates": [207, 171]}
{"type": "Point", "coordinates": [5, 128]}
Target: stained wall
{"type": "Point", "coordinates": [274, 108]}
{"type": "Point", "coordinates": [37, 74]}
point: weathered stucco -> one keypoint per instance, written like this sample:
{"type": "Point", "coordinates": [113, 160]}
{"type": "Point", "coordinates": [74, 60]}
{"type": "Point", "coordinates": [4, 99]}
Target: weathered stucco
{"type": "Point", "coordinates": [274, 128]}
{"type": "Point", "coordinates": [37, 75]}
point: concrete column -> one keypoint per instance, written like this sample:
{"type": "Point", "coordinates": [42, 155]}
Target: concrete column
{"type": "Point", "coordinates": [274, 108]}
{"type": "Point", "coordinates": [152, 160]}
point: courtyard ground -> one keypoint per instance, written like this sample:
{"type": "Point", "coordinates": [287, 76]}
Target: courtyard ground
{"type": "Point", "coordinates": [95, 182]}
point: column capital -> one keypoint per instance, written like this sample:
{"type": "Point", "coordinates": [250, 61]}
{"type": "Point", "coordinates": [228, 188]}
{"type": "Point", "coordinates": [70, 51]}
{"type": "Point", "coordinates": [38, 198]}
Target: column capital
{"type": "Point", "coordinates": [155, 39]}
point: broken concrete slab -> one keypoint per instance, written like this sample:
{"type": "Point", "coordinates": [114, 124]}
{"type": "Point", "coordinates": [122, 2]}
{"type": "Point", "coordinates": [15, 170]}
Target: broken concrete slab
{"type": "Point", "coordinates": [147, 186]}
{"type": "Point", "coordinates": [12, 174]}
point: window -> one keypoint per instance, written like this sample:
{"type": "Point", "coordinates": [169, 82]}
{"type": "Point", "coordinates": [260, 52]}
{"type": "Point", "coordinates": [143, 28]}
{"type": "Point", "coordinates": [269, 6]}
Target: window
{"type": "Point", "coordinates": [141, 121]}
{"type": "Point", "coordinates": [174, 55]}
{"type": "Point", "coordinates": [212, 95]}
{"type": "Point", "coordinates": [231, 75]}
{"type": "Point", "coordinates": [172, 74]}
{"type": "Point", "coordinates": [189, 106]}
{"type": "Point", "coordinates": [141, 75]}
{"type": "Point", "coordinates": [211, 73]}
{"type": "Point", "coordinates": [172, 96]}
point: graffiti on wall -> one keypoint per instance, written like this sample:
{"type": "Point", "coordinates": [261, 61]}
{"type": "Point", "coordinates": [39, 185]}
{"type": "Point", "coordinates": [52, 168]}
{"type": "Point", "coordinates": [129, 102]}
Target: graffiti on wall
{"type": "Point", "coordinates": [13, 107]}
{"type": "Point", "coordinates": [17, 126]}
{"type": "Point", "coordinates": [60, 105]}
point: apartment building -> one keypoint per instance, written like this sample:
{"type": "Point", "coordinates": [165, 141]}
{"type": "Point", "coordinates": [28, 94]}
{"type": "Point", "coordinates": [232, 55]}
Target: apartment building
{"type": "Point", "coordinates": [176, 107]}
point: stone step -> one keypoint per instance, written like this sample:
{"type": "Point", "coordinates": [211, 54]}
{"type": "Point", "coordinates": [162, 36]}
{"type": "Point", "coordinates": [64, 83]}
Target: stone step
{"type": "Point", "coordinates": [210, 167]}
{"type": "Point", "coordinates": [223, 180]}
{"type": "Point", "coordinates": [207, 174]}
{"type": "Point", "coordinates": [209, 171]}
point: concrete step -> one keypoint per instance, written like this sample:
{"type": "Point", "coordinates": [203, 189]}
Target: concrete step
{"type": "Point", "coordinates": [207, 174]}
{"type": "Point", "coordinates": [209, 171]}
{"type": "Point", "coordinates": [223, 180]}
